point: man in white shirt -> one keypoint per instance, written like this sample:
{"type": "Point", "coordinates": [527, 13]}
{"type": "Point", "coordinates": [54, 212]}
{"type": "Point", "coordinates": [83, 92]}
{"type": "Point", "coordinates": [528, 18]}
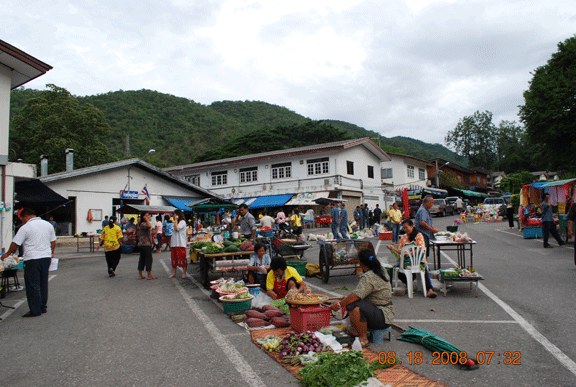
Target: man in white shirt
{"type": "Point", "coordinates": [267, 220]}
{"type": "Point", "coordinates": [38, 239]}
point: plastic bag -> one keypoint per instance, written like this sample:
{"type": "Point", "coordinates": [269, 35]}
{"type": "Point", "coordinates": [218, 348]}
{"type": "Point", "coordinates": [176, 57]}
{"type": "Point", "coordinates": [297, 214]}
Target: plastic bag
{"type": "Point", "coordinates": [329, 341]}
{"type": "Point", "coordinates": [260, 300]}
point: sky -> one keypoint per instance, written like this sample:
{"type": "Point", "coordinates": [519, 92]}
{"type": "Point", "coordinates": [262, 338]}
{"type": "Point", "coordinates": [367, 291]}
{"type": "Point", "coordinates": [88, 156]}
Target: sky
{"type": "Point", "coordinates": [401, 68]}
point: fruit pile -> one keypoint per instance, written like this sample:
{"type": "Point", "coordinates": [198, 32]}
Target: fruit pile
{"type": "Point", "coordinates": [269, 315]}
{"type": "Point", "coordinates": [295, 344]}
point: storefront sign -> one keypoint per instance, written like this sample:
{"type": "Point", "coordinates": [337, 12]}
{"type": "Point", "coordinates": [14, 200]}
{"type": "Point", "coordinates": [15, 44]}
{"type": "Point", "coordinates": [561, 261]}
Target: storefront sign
{"type": "Point", "coordinates": [129, 194]}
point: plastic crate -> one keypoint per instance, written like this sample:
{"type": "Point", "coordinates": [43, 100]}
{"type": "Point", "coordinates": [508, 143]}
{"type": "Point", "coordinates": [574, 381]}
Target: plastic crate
{"type": "Point", "coordinates": [385, 236]}
{"type": "Point", "coordinates": [532, 232]}
{"type": "Point", "coordinates": [299, 266]}
{"type": "Point", "coordinates": [236, 306]}
{"type": "Point", "coordinates": [310, 318]}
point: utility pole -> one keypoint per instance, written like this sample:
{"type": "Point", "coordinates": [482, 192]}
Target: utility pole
{"type": "Point", "coordinates": [128, 145]}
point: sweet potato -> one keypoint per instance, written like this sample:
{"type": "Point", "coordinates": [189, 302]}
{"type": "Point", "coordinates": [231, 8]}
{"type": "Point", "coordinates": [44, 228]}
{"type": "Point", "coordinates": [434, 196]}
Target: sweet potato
{"type": "Point", "coordinates": [273, 313]}
{"type": "Point", "coordinates": [256, 322]}
{"type": "Point", "coordinates": [269, 307]}
{"type": "Point", "coordinates": [280, 322]}
{"type": "Point", "coordinates": [255, 314]}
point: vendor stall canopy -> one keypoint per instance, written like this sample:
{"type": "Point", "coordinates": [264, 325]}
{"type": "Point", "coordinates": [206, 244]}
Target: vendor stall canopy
{"type": "Point", "coordinates": [210, 205]}
{"type": "Point", "coordinates": [466, 192]}
{"type": "Point", "coordinates": [137, 208]}
{"type": "Point", "coordinates": [34, 193]}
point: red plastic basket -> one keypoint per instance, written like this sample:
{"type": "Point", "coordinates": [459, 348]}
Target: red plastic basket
{"type": "Point", "coordinates": [385, 236]}
{"type": "Point", "coordinates": [310, 318]}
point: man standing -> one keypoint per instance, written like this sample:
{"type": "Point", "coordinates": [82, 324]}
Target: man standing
{"type": "Point", "coordinates": [105, 222]}
{"type": "Point", "coordinates": [357, 217]}
{"type": "Point", "coordinates": [343, 221]}
{"type": "Point", "coordinates": [38, 238]}
{"type": "Point", "coordinates": [423, 221]}
{"type": "Point", "coordinates": [365, 216]}
{"type": "Point", "coordinates": [377, 214]}
{"type": "Point", "coordinates": [267, 220]}
{"type": "Point", "coordinates": [335, 215]}
{"type": "Point", "coordinates": [459, 204]}
{"type": "Point", "coordinates": [247, 222]}
{"type": "Point", "coordinates": [548, 225]}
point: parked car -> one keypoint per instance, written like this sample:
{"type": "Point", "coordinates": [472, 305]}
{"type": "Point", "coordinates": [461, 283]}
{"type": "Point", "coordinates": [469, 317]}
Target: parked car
{"type": "Point", "coordinates": [440, 208]}
{"type": "Point", "coordinates": [451, 202]}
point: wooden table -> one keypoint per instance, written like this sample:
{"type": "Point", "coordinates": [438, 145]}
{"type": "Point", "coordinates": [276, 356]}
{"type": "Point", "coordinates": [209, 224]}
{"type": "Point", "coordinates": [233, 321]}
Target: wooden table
{"type": "Point", "coordinates": [222, 263]}
{"type": "Point", "coordinates": [93, 238]}
{"type": "Point", "coordinates": [460, 247]}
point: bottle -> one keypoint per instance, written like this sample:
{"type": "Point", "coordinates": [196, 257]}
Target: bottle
{"type": "Point", "coordinates": [356, 346]}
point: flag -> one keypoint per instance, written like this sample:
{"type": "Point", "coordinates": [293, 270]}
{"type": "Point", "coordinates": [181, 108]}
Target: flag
{"type": "Point", "coordinates": [146, 194]}
{"type": "Point", "coordinates": [122, 190]}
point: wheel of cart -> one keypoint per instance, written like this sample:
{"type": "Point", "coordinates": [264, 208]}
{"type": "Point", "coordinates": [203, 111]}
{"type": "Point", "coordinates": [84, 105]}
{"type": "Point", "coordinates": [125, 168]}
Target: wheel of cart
{"type": "Point", "coordinates": [563, 229]}
{"type": "Point", "coordinates": [289, 246]}
{"type": "Point", "coordinates": [340, 255]}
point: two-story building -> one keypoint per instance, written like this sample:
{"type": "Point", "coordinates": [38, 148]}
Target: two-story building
{"type": "Point", "coordinates": [348, 170]}
{"type": "Point", "coordinates": [404, 171]}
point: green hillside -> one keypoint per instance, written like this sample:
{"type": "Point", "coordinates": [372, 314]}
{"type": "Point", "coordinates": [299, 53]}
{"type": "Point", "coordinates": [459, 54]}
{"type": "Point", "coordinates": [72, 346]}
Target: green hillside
{"type": "Point", "coordinates": [183, 131]}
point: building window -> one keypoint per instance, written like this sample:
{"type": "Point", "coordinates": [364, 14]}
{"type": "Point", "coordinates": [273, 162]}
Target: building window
{"type": "Point", "coordinates": [248, 175]}
{"type": "Point", "coordinates": [410, 169]}
{"type": "Point", "coordinates": [220, 178]}
{"type": "Point", "coordinates": [421, 174]}
{"type": "Point", "coordinates": [318, 166]}
{"type": "Point", "coordinates": [281, 171]}
{"type": "Point", "coordinates": [370, 172]}
{"type": "Point", "coordinates": [459, 178]}
{"type": "Point", "coordinates": [350, 167]}
{"type": "Point", "coordinates": [386, 173]}
{"type": "Point", "coordinates": [194, 179]}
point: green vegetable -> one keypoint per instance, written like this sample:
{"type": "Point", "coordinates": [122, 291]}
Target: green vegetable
{"type": "Point", "coordinates": [228, 243]}
{"type": "Point", "coordinates": [213, 250]}
{"type": "Point", "coordinates": [337, 369]}
{"type": "Point", "coordinates": [282, 305]}
{"type": "Point", "coordinates": [231, 248]}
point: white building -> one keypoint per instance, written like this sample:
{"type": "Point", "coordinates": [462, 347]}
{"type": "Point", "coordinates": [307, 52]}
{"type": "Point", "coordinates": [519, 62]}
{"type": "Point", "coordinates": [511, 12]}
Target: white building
{"type": "Point", "coordinates": [102, 189]}
{"type": "Point", "coordinates": [347, 170]}
{"type": "Point", "coordinates": [16, 69]}
{"type": "Point", "coordinates": [404, 171]}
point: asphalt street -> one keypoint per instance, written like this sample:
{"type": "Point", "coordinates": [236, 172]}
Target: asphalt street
{"type": "Point", "coordinates": [123, 331]}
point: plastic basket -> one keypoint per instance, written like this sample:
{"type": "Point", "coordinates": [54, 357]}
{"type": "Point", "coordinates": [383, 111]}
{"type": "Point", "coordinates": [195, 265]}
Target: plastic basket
{"type": "Point", "coordinates": [299, 266]}
{"type": "Point", "coordinates": [532, 232]}
{"type": "Point", "coordinates": [254, 291]}
{"type": "Point", "coordinates": [309, 318]}
{"type": "Point", "coordinates": [236, 306]}
{"type": "Point", "coordinates": [385, 236]}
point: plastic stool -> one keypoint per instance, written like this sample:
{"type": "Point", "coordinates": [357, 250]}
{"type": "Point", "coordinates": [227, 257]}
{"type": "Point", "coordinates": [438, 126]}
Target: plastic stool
{"type": "Point", "coordinates": [378, 335]}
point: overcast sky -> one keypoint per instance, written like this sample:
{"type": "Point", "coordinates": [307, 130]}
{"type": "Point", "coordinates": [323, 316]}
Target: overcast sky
{"type": "Point", "coordinates": [410, 68]}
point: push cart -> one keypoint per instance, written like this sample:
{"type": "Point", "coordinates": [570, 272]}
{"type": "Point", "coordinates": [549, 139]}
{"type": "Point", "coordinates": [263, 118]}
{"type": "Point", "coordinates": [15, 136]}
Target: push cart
{"type": "Point", "coordinates": [340, 255]}
{"type": "Point", "coordinates": [289, 247]}
{"type": "Point", "coordinates": [563, 228]}
{"type": "Point", "coordinates": [222, 263]}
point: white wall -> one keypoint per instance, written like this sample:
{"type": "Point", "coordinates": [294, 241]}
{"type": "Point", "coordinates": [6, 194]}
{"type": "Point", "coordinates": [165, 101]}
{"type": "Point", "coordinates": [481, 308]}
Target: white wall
{"type": "Point", "coordinates": [96, 191]}
{"type": "Point", "coordinates": [399, 167]}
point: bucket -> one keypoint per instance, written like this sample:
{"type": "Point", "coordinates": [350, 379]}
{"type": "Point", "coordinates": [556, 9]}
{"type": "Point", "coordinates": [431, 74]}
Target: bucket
{"type": "Point", "coordinates": [235, 235]}
{"type": "Point", "coordinates": [226, 235]}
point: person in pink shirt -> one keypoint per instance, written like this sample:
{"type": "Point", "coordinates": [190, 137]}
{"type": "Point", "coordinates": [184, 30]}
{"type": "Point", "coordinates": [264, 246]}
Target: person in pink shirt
{"type": "Point", "coordinates": [281, 219]}
{"type": "Point", "coordinates": [158, 233]}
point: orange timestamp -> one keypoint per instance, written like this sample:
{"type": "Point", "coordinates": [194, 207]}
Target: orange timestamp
{"type": "Point", "coordinates": [457, 358]}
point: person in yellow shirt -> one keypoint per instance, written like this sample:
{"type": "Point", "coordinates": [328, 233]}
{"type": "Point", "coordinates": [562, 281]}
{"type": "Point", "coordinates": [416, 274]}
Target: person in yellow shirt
{"type": "Point", "coordinates": [296, 221]}
{"type": "Point", "coordinates": [282, 278]}
{"type": "Point", "coordinates": [110, 238]}
{"type": "Point", "coordinates": [395, 221]}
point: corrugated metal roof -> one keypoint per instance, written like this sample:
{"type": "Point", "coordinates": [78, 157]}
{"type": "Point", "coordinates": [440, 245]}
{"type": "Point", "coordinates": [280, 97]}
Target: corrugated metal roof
{"type": "Point", "coordinates": [367, 142]}
{"type": "Point", "coordinates": [270, 201]}
{"type": "Point", "coordinates": [126, 163]}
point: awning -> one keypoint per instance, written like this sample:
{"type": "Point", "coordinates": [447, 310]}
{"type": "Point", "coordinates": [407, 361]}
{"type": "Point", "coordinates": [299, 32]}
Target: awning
{"type": "Point", "coordinates": [34, 193]}
{"type": "Point", "coordinates": [466, 192]}
{"type": "Point", "coordinates": [327, 201]}
{"type": "Point", "coordinates": [270, 201]}
{"type": "Point", "coordinates": [180, 202]}
{"type": "Point", "coordinates": [135, 208]}
{"type": "Point", "coordinates": [558, 183]}
{"type": "Point", "coordinates": [307, 198]}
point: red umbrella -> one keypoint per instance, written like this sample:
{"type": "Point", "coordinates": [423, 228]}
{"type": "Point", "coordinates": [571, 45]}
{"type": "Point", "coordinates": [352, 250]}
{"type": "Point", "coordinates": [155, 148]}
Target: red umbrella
{"type": "Point", "coordinates": [405, 203]}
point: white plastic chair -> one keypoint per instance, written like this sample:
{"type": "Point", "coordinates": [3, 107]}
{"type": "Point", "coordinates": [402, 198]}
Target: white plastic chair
{"type": "Point", "coordinates": [417, 254]}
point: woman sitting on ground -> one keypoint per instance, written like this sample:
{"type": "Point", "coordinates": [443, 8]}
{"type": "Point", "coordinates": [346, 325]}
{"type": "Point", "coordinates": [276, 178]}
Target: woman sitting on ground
{"type": "Point", "coordinates": [370, 304]}
{"type": "Point", "coordinates": [259, 265]}
{"type": "Point", "coordinates": [413, 236]}
{"type": "Point", "coordinates": [282, 278]}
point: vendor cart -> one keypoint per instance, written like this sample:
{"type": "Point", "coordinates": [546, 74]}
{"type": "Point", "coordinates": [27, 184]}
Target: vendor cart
{"type": "Point", "coordinates": [341, 255]}
{"type": "Point", "coordinates": [563, 228]}
{"type": "Point", "coordinates": [222, 263]}
{"type": "Point", "coordinates": [289, 247]}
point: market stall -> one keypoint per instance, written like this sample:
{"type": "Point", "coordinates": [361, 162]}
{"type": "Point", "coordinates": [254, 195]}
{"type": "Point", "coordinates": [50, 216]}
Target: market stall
{"type": "Point", "coordinates": [340, 255]}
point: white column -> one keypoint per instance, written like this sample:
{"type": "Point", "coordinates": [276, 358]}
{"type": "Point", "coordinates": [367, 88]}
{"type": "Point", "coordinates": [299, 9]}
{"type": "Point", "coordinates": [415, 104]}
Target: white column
{"type": "Point", "coordinates": [5, 84]}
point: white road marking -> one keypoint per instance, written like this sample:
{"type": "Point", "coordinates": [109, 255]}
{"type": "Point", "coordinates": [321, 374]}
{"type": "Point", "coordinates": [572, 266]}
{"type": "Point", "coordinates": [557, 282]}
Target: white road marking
{"type": "Point", "coordinates": [554, 350]}
{"type": "Point", "coordinates": [325, 291]}
{"type": "Point", "coordinates": [377, 247]}
{"type": "Point", "coordinates": [539, 240]}
{"type": "Point", "coordinates": [459, 321]}
{"type": "Point", "coordinates": [225, 345]}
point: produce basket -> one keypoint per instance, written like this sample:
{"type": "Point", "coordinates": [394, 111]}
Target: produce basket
{"type": "Point", "coordinates": [231, 306]}
{"type": "Point", "coordinates": [385, 236]}
{"type": "Point", "coordinates": [299, 266]}
{"type": "Point", "coordinates": [309, 318]}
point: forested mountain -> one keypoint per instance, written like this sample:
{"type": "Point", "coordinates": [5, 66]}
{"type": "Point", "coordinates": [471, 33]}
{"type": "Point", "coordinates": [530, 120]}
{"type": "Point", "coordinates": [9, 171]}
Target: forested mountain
{"type": "Point", "coordinates": [183, 131]}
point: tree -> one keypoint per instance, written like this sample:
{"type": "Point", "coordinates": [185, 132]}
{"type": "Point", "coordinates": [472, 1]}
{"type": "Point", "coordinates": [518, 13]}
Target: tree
{"type": "Point", "coordinates": [54, 121]}
{"type": "Point", "coordinates": [549, 110]}
{"type": "Point", "coordinates": [475, 138]}
{"type": "Point", "coordinates": [514, 182]}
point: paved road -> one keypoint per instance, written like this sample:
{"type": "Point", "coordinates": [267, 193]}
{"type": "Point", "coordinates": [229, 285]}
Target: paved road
{"type": "Point", "coordinates": [124, 331]}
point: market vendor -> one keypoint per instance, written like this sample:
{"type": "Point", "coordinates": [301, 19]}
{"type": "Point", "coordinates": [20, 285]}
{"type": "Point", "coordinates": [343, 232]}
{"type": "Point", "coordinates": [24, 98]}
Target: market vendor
{"type": "Point", "coordinates": [247, 222]}
{"type": "Point", "coordinates": [411, 235]}
{"type": "Point", "coordinates": [258, 266]}
{"type": "Point", "coordinates": [370, 304]}
{"type": "Point", "coordinates": [282, 278]}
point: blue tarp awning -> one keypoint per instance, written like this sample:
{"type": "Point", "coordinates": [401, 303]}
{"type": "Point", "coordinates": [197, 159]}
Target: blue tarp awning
{"type": "Point", "coordinates": [270, 201]}
{"type": "Point", "coordinates": [180, 202]}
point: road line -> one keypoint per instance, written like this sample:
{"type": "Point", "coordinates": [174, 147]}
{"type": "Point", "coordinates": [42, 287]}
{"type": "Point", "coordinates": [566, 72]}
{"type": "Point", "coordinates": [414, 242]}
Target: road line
{"type": "Point", "coordinates": [225, 345]}
{"type": "Point", "coordinates": [554, 350]}
{"type": "Point", "coordinates": [460, 321]}
{"type": "Point", "coordinates": [377, 247]}
{"type": "Point", "coordinates": [539, 240]}
{"type": "Point", "coordinates": [325, 290]}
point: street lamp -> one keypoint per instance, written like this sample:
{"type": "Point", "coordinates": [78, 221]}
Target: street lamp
{"type": "Point", "coordinates": [150, 152]}
{"type": "Point", "coordinates": [438, 172]}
